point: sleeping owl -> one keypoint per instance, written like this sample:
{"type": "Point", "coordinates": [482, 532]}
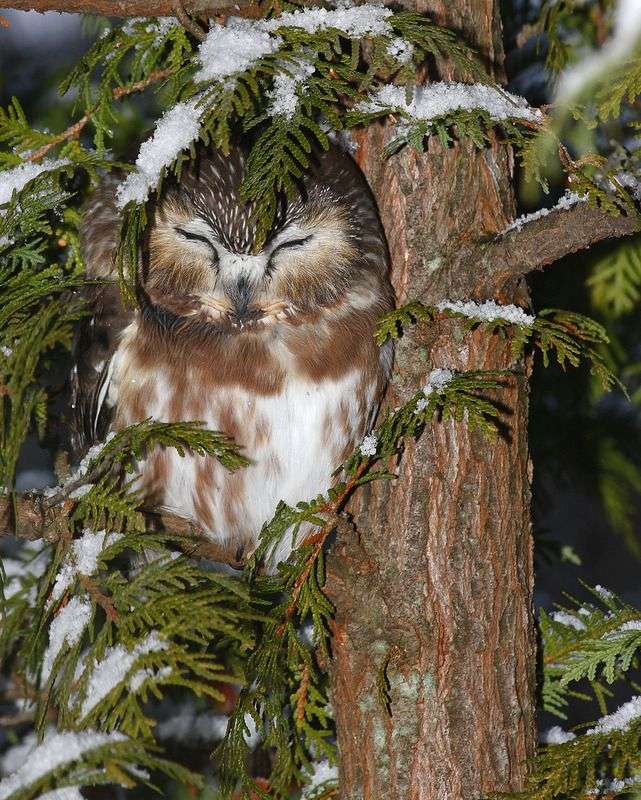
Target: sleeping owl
{"type": "Point", "coordinates": [275, 349]}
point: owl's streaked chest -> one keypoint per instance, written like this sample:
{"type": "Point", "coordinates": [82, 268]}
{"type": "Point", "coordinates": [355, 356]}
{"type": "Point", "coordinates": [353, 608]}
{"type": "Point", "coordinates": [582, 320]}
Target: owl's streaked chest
{"type": "Point", "coordinates": [295, 426]}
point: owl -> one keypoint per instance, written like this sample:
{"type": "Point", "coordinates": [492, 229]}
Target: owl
{"type": "Point", "coordinates": [274, 348]}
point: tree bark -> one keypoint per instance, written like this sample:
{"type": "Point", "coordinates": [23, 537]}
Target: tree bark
{"type": "Point", "coordinates": [136, 8]}
{"type": "Point", "coordinates": [434, 647]}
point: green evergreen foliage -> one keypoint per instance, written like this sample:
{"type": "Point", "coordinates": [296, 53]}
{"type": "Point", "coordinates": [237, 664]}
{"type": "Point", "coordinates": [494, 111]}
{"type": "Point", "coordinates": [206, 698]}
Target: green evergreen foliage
{"type": "Point", "coordinates": [115, 618]}
{"type": "Point", "coordinates": [569, 336]}
{"type": "Point", "coordinates": [588, 647]}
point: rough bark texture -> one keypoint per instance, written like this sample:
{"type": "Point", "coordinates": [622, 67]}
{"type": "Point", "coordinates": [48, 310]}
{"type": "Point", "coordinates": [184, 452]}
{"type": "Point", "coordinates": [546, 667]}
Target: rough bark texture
{"type": "Point", "coordinates": [131, 8]}
{"type": "Point", "coordinates": [434, 649]}
{"type": "Point", "coordinates": [545, 240]}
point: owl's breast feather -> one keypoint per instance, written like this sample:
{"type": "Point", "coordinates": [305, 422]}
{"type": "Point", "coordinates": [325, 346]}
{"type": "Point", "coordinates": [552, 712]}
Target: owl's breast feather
{"type": "Point", "coordinates": [296, 432]}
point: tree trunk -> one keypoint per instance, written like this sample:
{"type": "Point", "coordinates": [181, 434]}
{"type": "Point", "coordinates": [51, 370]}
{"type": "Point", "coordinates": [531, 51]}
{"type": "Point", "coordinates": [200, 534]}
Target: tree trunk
{"type": "Point", "coordinates": [434, 648]}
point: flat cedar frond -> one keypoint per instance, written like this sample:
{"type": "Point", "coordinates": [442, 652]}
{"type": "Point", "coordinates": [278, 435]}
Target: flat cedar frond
{"type": "Point", "coordinates": [105, 500]}
{"type": "Point", "coordinates": [570, 337]}
{"type": "Point", "coordinates": [595, 642]}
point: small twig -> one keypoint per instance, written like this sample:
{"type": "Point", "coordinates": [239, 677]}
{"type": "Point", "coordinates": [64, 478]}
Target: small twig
{"type": "Point", "coordinates": [73, 131]}
{"type": "Point", "coordinates": [188, 23]}
{"type": "Point", "coordinates": [99, 597]}
{"type": "Point", "coordinates": [301, 693]}
{"type": "Point", "coordinates": [318, 539]}
{"type": "Point", "coordinates": [16, 719]}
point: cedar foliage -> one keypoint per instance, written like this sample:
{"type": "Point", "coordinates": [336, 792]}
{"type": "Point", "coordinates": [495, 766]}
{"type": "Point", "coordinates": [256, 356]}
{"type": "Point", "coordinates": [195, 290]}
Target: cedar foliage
{"type": "Point", "coordinates": [177, 632]}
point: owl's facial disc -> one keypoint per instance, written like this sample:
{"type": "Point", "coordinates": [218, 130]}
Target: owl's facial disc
{"type": "Point", "coordinates": [195, 270]}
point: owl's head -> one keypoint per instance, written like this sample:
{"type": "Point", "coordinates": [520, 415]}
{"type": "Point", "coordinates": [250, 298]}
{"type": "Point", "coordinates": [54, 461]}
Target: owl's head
{"type": "Point", "coordinates": [326, 249]}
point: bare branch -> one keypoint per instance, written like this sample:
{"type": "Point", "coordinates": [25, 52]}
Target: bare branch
{"type": "Point", "coordinates": [73, 131]}
{"type": "Point", "coordinates": [187, 22]}
{"type": "Point", "coordinates": [32, 518]}
{"type": "Point", "coordinates": [137, 8]}
{"type": "Point", "coordinates": [547, 239]}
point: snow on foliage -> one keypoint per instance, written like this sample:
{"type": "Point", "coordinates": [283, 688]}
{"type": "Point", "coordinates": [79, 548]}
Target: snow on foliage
{"type": "Point", "coordinates": [54, 751]}
{"type": "Point", "coordinates": [368, 445]}
{"type": "Point", "coordinates": [401, 50]}
{"type": "Point", "coordinates": [354, 21]}
{"type": "Point", "coordinates": [556, 735]}
{"type": "Point", "coordinates": [437, 380]}
{"type": "Point", "coordinates": [115, 666]}
{"type": "Point", "coordinates": [66, 628]}
{"type": "Point", "coordinates": [237, 46]}
{"type": "Point", "coordinates": [66, 793]}
{"type": "Point", "coordinates": [158, 25]}
{"type": "Point", "coordinates": [284, 97]}
{"type": "Point", "coordinates": [82, 559]}
{"type": "Point", "coordinates": [568, 200]}
{"type": "Point", "coordinates": [621, 719]}
{"type": "Point", "coordinates": [323, 773]}
{"type": "Point", "coordinates": [15, 179]}
{"type": "Point", "coordinates": [631, 625]}
{"type": "Point", "coordinates": [175, 131]}
{"type": "Point", "coordinates": [569, 620]}
{"type": "Point", "coordinates": [438, 99]}
{"type": "Point", "coordinates": [488, 311]}
{"type": "Point", "coordinates": [233, 48]}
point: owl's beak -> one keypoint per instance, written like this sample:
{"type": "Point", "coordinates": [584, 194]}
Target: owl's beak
{"type": "Point", "coordinates": [241, 295]}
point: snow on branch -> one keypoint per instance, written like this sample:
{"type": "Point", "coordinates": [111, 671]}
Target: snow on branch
{"type": "Point", "coordinates": [66, 629]}
{"type": "Point", "coordinates": [233, 48]}
{"type": "Point", "coordinates": [556, 735]}
{"type": "Point", "coordinates": [284, 95]}
{"type": "Point", "coordinates": [488, 311]}
{"type": "Point", "coordinates": [82, 559]}
{"type": "Point", "coordinates": [175, 131]}
{"type": "Point", "coordinates": [115, 667]}
{"type": "Point", "coordinates": [437, 380]}
{"type": "Point", "coordinates": [55, 751]}
{"type": "Point", "coordinates": [568, 200]}
{"type": "Point", "coordinates": [15, 179]}
{"type": "Point", "coordinates": [355, 21]}
{"type": "Point", "coordinates": [237, 46]}
{"type": "Point", "coordinates": [537, 241]}
{"type": "Point", "coordinates": [619, 720]}
{"type": "Point", "coordinates": [439, 99]}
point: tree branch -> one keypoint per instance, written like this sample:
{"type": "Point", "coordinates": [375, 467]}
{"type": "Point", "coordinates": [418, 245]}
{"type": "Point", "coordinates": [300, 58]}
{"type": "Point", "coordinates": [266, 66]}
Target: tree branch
{"type": "Point", "coordinates": [33, 518]}
{"type": "Point", "coordinates": [73, 131]}
{"type": "Point", "coordinates": [547, 239]}
{"type": "Point", "coordinates": [137, 8]}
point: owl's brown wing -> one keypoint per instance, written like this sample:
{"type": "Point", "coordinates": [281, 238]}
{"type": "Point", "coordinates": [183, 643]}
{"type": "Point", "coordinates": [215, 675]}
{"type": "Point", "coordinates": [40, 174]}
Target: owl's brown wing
{"type": "Point", "coordinates": [98, 334]}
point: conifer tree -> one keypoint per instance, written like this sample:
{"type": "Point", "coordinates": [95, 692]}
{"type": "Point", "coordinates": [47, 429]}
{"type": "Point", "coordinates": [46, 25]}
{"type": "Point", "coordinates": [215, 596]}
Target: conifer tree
{"type": "Point", "coordinates": [394, 654]}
